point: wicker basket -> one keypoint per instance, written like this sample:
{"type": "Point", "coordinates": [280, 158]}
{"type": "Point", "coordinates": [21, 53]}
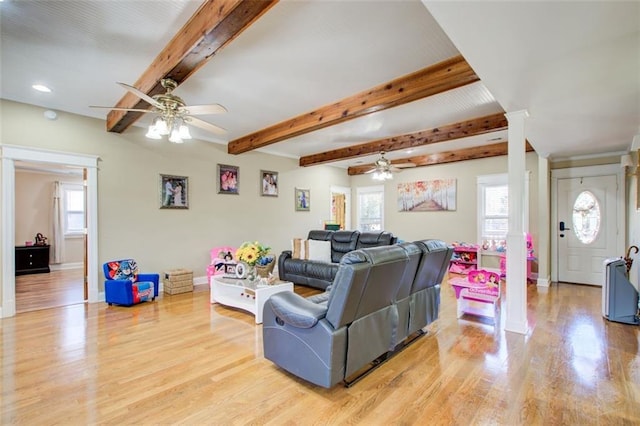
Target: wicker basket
{"type": "Point", "coordinates": [264, 271]}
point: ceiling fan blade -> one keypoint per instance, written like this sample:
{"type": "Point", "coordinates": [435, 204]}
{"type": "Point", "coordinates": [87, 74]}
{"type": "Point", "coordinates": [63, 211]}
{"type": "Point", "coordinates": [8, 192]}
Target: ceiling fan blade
{"type": "Point", "coordinates": [120, 109]}
{"type": "Point", "coordinates": [204, 109]}
{"type": "Point", "coordinates": [205, 125]}
{"type": "Point", "coordinates": [372, 170]}
{"type": "Point", "coordinates": [142, 95]}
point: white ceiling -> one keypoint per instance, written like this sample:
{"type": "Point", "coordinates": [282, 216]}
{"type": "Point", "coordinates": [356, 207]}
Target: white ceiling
{"type": "Point", "coordinates": [575, 66]}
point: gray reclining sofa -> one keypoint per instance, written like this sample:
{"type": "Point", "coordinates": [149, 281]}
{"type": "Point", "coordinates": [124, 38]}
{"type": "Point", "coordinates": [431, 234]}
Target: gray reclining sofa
{"type": "Point", "coordinates": [320, 274]}
{"type": "Point", "coordinates": [380, 301]}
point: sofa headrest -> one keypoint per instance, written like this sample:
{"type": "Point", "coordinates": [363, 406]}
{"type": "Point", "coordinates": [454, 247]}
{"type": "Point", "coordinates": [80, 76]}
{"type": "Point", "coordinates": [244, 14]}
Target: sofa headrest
{"type": "Point", "coordinates": [374, 239]}
{"type": "Point", "coordinates": [415, 255]}
{"type": "Point", "coordinates": [434, 263]}
{"type": "Point", "coordinates": [361, 288]}
{"type": "Point", "coordinates": [345, 236]}
{"type": "Point", "coordinates": [354, 257]}
{"type": "Point", "coordinates": [384, 254]}
{"type": "Point", "coordinates": [343, 242]}
{"type": "Point", "coordinates": [433, 245]}
{"type": "Point", "coordinates": [320, 234]}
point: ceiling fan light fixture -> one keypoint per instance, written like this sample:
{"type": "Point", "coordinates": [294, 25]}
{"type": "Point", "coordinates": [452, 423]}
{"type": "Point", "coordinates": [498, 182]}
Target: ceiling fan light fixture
{"type": "Point", "coordinates": [152, 133]}
{"type": "Point", "coordinates": [161, 126]}
{"type": "Point", "coordinates": [382, 175]}
{"type": "Point", "coordinates": [183, 131]}
{"type": "Point", "coordinates": [175, 136]}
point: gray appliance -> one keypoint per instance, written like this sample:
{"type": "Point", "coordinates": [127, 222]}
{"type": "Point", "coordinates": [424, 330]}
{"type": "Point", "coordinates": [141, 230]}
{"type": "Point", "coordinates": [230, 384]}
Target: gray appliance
{"type": "Point", "coordinates": [619, 296]}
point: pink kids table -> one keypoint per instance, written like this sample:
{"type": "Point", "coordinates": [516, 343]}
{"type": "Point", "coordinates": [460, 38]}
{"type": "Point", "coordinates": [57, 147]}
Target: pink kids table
{"type": "Point", "coordinates": [478, 294]}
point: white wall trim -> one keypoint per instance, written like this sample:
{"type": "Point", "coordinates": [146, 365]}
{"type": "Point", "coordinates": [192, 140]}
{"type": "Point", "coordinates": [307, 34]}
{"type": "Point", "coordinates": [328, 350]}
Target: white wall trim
{"type": "Point", "coordinates": [543, 282]}
{"type": "Point", "coordinates": [11, 154]}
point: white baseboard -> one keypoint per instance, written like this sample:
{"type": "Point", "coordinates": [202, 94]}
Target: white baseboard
{"type": "Point", "coordinates": [200, 280]}
{"type": "Point", "coordinates": [65, 266]}
{"type": "Point", "coordinates": [543, 282]}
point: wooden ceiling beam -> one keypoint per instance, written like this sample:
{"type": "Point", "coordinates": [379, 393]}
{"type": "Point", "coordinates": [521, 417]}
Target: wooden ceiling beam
{"type": "Point", "coordinates": [215, 24]}
{"type": "Point", "coordinates": [449, 132]}
{"type": "Point", "coordinates": [483, 151]}
{"type": "Point", "coordinates": [446, 75]}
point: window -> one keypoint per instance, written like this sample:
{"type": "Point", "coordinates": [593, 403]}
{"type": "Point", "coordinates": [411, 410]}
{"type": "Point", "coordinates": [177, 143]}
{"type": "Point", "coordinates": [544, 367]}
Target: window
{"type": "Point", "coordinates": [493, 211]}
{"type": "Point", "coordinates": [73, 205]}
{"type": "Point", "coordinates": [371, 208]}
{"type": "Point", "coordinates": [586, 217]}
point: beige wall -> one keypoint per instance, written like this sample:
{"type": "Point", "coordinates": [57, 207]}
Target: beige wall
{"type": "Point", "coordinates": [131, 224]}
{"type": "Point", "coordinates": [450, 226]}
{"type": "Point", "coordinates": [33, 214]}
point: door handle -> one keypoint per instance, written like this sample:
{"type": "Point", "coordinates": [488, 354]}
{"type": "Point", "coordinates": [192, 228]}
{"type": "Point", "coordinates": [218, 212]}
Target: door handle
{"type": "Point", "coordinates": [562, 227]}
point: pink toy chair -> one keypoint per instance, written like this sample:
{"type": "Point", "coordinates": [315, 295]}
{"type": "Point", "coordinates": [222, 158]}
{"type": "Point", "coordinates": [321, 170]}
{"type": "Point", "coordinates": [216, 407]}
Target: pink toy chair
{"type": "Point", "coordinates": [218, 254]}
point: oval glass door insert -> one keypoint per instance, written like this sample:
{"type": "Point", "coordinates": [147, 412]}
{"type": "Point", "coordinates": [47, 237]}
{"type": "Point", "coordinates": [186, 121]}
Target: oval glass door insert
{"type": "Point", "coordinates": [586, 217]}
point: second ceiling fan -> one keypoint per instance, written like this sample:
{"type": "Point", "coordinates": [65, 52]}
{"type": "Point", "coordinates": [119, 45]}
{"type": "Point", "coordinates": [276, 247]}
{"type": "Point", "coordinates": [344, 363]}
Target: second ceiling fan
{"type": "Point", "coordinates": [383, 168]}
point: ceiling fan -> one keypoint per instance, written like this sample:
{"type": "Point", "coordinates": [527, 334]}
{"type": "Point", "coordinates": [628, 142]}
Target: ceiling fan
{"type": "Point", "coordinates": [173, 113]}
{"type": "Point", "coordinates": [384, 168]}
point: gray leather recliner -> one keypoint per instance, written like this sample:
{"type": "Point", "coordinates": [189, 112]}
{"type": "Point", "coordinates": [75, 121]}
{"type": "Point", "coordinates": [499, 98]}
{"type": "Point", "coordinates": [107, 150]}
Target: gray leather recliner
{"type": "Point", "coordinates": [379, 302]}
{"type": "Point", "coordinates": [325, 344]}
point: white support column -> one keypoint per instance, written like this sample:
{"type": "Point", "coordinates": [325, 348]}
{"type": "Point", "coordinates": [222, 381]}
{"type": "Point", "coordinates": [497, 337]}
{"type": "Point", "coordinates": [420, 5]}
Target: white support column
{"type": "Point", "coordinates": [544, 223]}
{"type": "Point", "coordinates": [516, 242]}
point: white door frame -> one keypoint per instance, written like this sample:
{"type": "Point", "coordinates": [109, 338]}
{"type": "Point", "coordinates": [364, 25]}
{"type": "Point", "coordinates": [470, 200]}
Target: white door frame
{"type": "Point", "coordinates": [588, 171]}
{"type": "Point", "coordinates": [11, 154]}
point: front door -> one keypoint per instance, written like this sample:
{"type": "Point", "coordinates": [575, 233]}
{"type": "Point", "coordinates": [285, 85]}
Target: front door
{"type": "Point", "coordinates": [586, 227]}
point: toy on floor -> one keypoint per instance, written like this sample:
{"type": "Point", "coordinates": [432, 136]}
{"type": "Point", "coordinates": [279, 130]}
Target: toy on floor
{"type": "Point", "coordinates": [478, 294]}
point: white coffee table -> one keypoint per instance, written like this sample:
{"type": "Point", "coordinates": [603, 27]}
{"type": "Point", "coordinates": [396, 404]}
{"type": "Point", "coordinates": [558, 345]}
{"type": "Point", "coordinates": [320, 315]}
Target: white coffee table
{"type": "Point", "coordinates": [244, 294]}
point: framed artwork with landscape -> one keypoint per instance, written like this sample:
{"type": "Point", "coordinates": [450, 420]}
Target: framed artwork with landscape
{"type": "Point", "coordinates": [303, 200]}
{"type": "Point", "coordinates": [268, 183]}
{"type": "Point", "coordinates": [428, 195]}
{"type": "Point", "coordinates": [228, 179]}
{"type": "Point", "coordinates": [174, 192]}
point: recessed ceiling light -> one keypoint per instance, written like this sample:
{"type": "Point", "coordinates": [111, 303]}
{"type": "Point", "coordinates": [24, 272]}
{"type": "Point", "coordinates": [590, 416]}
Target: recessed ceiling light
{"type": "Point", "coordinates": [41, 88]}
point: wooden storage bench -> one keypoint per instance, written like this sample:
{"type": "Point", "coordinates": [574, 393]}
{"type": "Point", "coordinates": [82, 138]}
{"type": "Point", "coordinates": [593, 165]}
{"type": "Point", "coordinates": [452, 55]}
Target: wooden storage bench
{"type": "Point", "coordinates": [177, 281]}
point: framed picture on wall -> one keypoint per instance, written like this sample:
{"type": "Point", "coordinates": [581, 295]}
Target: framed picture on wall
{"type": "Point", "coordinates": [228, 179]}
{"type": "Point", "coordinates": [428, 195]}
{"type": "Point", "coordinates": [268, 183]}
{"type": "Point", "coordinates": [174, 192]}
{"type": "Point", "coordinates": [302, 200]}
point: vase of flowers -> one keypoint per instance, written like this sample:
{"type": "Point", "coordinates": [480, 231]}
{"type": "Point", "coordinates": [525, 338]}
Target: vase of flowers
{"type": "Point", "coordinates": [253, 254]}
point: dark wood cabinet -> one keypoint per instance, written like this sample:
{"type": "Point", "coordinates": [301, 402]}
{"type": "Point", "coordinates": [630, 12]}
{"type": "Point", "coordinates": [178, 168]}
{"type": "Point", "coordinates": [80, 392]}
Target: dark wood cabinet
{"type": "Point", "coordinates": [32, 260]}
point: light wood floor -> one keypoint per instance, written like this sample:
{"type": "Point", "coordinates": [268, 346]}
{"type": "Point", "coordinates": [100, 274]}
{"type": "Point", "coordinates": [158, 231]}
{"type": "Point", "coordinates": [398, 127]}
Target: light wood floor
{"type": "Point", "coordinates": [41, 291]}
{"type": "Point", "coordinates": [180, 360]}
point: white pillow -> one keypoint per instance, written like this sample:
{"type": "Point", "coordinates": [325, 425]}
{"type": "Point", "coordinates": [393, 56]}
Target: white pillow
{"type": "Point", "coordinates": [320, 251]}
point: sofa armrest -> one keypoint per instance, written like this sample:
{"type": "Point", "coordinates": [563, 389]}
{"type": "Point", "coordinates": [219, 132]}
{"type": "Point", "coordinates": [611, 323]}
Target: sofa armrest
{"type": "Point", "coordinates": [281, 269]}
{"type": "Point", "coordinates": [295, 310]}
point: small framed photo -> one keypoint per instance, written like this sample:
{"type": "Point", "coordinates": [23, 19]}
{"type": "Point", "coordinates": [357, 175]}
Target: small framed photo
{"type": "Point", "coordinates": [268, 183]}
{"type": "Point", "coordinates": [228, 179]}
{"type": "Point", "coordinates": [174, 192]}
{"type": "Point", "coordinates": [303, 200]}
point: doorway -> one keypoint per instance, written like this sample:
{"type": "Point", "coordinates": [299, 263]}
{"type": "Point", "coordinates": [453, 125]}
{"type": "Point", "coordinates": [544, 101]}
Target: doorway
{"type": "Point", "coordinates": [341, 206]}
{"type": "Point", "coordinates": [49, 200]}
{"type": "Point", "coordinates": [587, 222]}
{"type": "Point", "coordinates": [13, 154]}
